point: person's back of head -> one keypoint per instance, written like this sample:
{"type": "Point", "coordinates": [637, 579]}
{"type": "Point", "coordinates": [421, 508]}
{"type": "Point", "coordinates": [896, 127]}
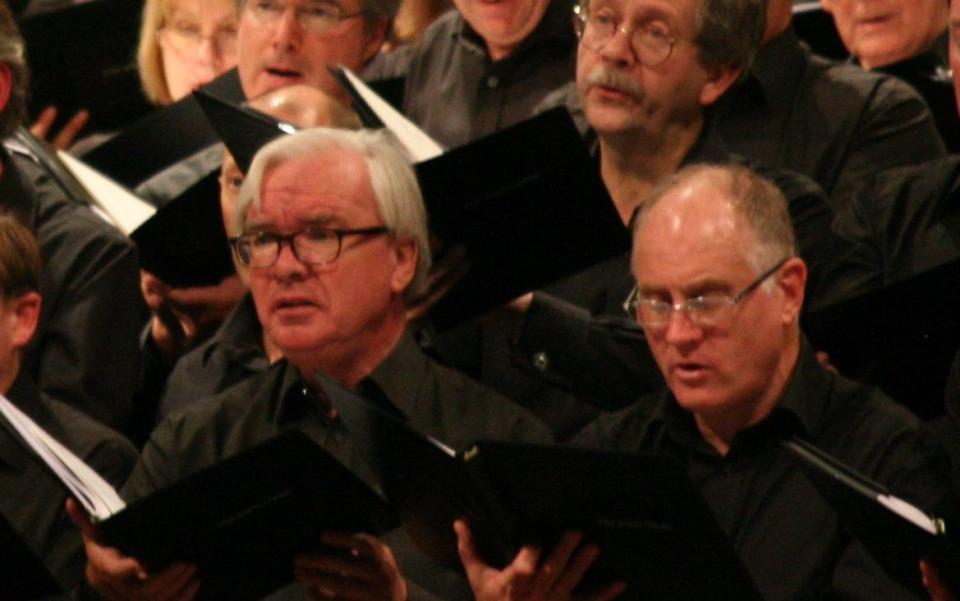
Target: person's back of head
{"type": "Point", "coordinates": [14, 75]}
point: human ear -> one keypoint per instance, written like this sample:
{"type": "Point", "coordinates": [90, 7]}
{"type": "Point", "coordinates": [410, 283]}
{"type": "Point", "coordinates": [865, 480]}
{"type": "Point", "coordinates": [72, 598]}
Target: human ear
{"type": "Point", "coordinates": [718, 82]}
{"type": "Point", "coordinates": [792, 282]}
{"type": "Point", "coordinates": [405, 254]}
{"type": "Point", "coordinates": [26, 310]}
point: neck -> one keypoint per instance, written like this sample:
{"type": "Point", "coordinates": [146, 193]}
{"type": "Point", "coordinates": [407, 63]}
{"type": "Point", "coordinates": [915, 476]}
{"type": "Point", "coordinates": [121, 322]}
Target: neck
{"type": "Point", "coordinates": [720, 428]}
{"type": "Point", "coordinates": [8, 373]}
{"type": "Point", "coordinates": [631, 167]}
{"type": "Point", "coordinates": [349, 362]}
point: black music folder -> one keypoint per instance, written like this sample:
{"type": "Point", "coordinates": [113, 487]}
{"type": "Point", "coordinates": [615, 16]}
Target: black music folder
{"type": "Point", "coordinates": [241, 520]}
{"type": "Point", "coordinates": [163, 137]}
{"type": "Point", "coordinates": [902, 337]}
{"type": "Point", "coordinates": [243, 130]}
{"type": "Point", "coordinates": [22, 574]}
{"type": "Point", "coordinates": [896, 533]}
{"type": "Point", "coordinates": [185, 243]}
{"type": "Point", "coordinates": [654, 530]}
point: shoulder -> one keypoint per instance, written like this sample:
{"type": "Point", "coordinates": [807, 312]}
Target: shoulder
{"type": "Point", "coordinates": [408, 60]}
{"type": "Point", "coordinates": [626, 430]}
{"type": "Point", "coordinates": [204, 432]}
{"type": "Point", "coordinates": [105, 450]}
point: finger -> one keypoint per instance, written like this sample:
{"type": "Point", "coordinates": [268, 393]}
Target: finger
{"type": "Point", "coordinates": [333, 587]}
{"type": "Point", "coordinates": [70, 131]}
{"type": "Point", "coordinates": [934, 584]}
{"type": "Point", "coordinates": [171, 583]}
{"type": "Point", "coordinates": [108, 565]}
{"type": "Point", "coordinates": [344, 567]}
{"type": "Point", "coordinates": [556, 563]}
{"type": "Point", "coordinates": [607, 593]}
{"type": "Point", "coordinates": [44, 122]}
{"type": "Point", "coordinates": [81, 520]}
{"type": "Point", "coordinates": [573, 574]}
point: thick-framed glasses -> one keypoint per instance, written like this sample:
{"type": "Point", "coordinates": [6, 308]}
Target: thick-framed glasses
{"type": "Point", "coordinates": [316, 17]}
{"type": "Point", "coordinates": [311, 246]}
{"type": "Point", "coordinates": [708, 311]}
{"type": "Point", "coordinates": [187, 37]}
{"type": "Point", "coordinates": [652, 43]}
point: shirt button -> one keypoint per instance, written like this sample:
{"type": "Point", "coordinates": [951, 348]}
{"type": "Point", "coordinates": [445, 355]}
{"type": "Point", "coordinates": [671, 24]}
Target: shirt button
{"type": "Point", "coordinates": [492, 82]}
{"type": "Point", "coordinates": [541, 361]}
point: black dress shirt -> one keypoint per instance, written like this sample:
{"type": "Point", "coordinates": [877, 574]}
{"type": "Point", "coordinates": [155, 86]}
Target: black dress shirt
{"type": "Point", "coordinates": [432, 399]}
{"type": "Point", "coordinates": [84, 352]}
{"type": "Point", "coordinates": [455, 93]}
{"type": "Point", "coordinates": [789, 538]}
{"type": "Point", "coordinates": [233, 354]}
{"type": "Point", "coordinates": [31, 500]}
{"type": "Point", "coordinates": [904, 222]}
{"type": "Point", "coordinates": [832, 121]}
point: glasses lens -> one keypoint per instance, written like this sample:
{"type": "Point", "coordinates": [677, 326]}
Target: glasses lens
{"type": "Point", "coordinates": [317, 246]}
{"type": "Point", "coordinates": [652, 44]}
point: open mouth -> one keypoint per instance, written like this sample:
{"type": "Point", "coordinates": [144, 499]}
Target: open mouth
{"type": "Point", "coordinates": [285, 73]}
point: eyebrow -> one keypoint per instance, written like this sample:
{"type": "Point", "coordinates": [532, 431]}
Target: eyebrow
{"type": "Point", "coordinates": [692, 290]}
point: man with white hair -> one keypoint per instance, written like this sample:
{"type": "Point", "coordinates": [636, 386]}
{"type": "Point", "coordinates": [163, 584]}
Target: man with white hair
{"type": "Point", "coordinates": [333, 232]}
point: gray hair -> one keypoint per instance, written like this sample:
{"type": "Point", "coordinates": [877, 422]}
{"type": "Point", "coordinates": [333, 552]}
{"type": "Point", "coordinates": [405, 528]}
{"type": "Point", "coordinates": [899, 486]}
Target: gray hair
{"type": "Point", "coordinates": [755, 199]}
{"type": "Point", "coordinates": [12, 53]}
{"type": "Point", "coordinates": [395, 187]}
{"type": "Point", "coordinates": [729, 32]}
{"type": "Point", "coordinates": [374, 10]}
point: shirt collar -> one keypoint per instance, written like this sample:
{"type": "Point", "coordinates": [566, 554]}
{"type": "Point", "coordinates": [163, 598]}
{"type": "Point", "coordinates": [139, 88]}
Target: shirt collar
{"type": "Point", "coordinates": [397, 380]}
{"type": "Point", "coordinates": [801, 410]}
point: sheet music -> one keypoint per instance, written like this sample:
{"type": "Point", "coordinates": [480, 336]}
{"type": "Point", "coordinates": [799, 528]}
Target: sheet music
{"type": "Point", "coordinates": [97, 496]}
{"type": "Point", "coordinates": [126, 211]}
{"type": "Point", "coordinates": [419, 146]}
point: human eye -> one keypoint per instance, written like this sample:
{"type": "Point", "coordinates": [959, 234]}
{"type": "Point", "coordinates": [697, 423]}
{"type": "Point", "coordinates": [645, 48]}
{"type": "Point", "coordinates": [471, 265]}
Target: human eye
{"type": "Point", "coordinates": [185, 27]}
{"type": "Point", "coordinates": [603, 19]}
{"type": "Point", "coordinates": [267, 7]}
{"type": "Point", "coordinates": [707, 305]}
{"type": "Point", "coordinates": [656, 31]}
{"type": "Point", "coordinates": [322, 10]}
{"type": "Point", "coordinates": [318, 235]}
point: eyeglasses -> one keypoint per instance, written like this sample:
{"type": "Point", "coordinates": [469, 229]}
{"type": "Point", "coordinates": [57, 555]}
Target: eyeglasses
{"type": "Point", "coordinates": [311, 246]}
{"type": "Point", "coordinates": [652, 43]}
{"type": "Point", "coordinates": [187, 37]}
{"type": "Point", "coordinates": [316, 17]}
{"type": "Point", "coordinates": [708, 311]}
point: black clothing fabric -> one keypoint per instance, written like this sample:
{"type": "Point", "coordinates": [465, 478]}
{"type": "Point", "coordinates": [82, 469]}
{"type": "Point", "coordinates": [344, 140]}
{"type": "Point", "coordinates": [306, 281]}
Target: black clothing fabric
{"type": "Point", "coordinates": [455, 93]}
{"type": "Point", "coordinates": [904, 222]}
{"type": "Point", "coordinates": [577, 338]}
{"type": "Point", "coordinates": [84, 352]}
{"type": "Point", "coordinates": [31, 500]}
{"type": "Point", "coordinates": [832, 121]}
{"type": "Point", "coordinates": [233, 354]}
{"type": "Point", "coordinates": [929, 74]}
{"type": "Point", "coordinates": [433, 399]}
{"type": "Point", "coordinates": [788, 537]}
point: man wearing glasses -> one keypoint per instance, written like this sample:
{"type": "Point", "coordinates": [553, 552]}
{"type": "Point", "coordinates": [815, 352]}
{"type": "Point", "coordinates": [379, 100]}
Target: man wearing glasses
{"type": "Point", "coordinates": [333, 235]}
{"type": "Point", "coordinates": [719, 294]}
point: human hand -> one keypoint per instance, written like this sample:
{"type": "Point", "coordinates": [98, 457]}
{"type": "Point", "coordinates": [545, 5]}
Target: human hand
{"type": "Point", "coordinates": [182, 315]}
{"type": "Point", "coordinates": [360, 568]}
{"type": "Point", "coordinates": [67, 134]}
{"type": "Point", "coordinates": [934, 584]}
{"type": "Point", "coordinates": [117, 577]}
{"type": "Point", "coordinates": [529, 579]}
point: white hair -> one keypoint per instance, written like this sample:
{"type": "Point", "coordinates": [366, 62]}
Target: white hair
{"type": "Point", "coordinates": [394, 184]}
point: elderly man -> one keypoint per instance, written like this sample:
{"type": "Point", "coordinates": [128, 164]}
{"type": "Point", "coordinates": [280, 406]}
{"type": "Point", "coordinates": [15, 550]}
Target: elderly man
{"type": "Point", "coordinates": [89, 285]}
{"type": "Point", "coordinates": [332, 230]}
{"type": "Point", "coordinates": [483, 67]}
{"type": "Point", "coordinates": [719, 293]}
{"type": "Point", "coordinates": [32, 499]}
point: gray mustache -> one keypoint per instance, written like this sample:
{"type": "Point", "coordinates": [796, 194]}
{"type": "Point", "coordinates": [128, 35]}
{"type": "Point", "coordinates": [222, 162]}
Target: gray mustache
{"type": "Point", "coordinates": [603, 76]}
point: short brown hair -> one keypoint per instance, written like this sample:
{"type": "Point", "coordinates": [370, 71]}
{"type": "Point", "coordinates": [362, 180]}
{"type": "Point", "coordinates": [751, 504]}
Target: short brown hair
{"type": "Point", "coordinates": [20, 263]}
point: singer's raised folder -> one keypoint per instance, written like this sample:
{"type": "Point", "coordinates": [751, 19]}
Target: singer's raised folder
{"type": "Point", "coordinates": [241, 520]}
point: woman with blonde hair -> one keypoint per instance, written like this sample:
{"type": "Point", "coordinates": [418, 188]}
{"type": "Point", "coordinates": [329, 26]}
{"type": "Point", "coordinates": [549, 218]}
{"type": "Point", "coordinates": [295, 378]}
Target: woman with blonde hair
{"type": "Point", "coordinates": [185, 44]}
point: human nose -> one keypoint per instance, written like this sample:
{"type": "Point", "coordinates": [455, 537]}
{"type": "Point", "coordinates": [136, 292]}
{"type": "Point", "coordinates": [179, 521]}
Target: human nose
{"type": "Point", "coordinates": [619, 47]}
{"type": "Point", "coordinates": [287, 30]}
{"type": "Point", "coordinates": [680, 327]}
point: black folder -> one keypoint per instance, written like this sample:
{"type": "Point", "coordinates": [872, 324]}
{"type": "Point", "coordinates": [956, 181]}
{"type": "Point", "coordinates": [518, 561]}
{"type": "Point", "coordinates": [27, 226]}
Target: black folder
{"type": "Point", "coordinates": [902, 337]}
{"type": "Point", "coordinates": [242, 520]}
{"type": "Point", "coordinates": [653, 529]}
{"type": "Point", "coordinates": [897, 543]}
{"type": "Point", "coordinates": [243, 130]}
{"type": "Point", "coordinates": [184, 243]}
{"type": "Point", "coordinates": [529, 206]}
{"type": "Point", "coordinates": [163, 137]}
{"type": "Point", "coordinates": [22, 574]}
